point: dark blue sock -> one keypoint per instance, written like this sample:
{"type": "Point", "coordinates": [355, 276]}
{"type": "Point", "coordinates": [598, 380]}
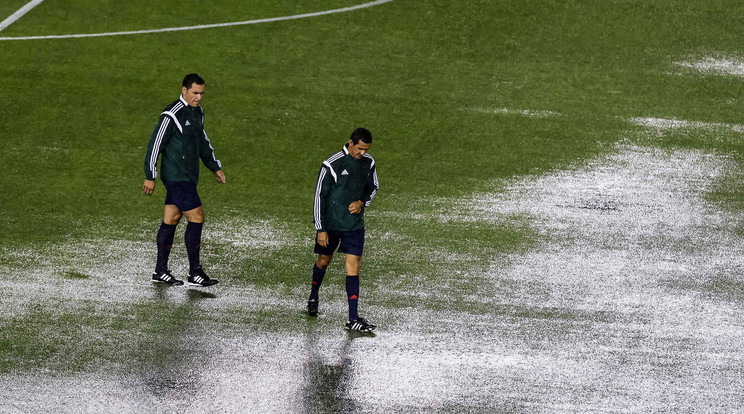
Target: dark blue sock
{"type": "Point", "coordinates": [192, 238]}
{"type": "Point", "coordinates": [318, 275]}
{"type": "Point", "coordinates": [165, 243]}
{"type": "Point", "coordinates": [352, 292]}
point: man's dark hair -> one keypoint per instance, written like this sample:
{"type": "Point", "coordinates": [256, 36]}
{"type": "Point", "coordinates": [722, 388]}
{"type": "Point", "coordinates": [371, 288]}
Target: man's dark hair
{"type": "Point", "coordinates": [361, 134]}
{"type": "Point", "coordinates": [192, 78]}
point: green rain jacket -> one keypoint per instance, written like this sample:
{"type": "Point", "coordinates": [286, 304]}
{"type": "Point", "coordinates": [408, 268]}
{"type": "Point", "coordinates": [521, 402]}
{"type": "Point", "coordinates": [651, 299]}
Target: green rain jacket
{"type": "Point", "coordinates": [182, 141]}
{"type": "Point", "coordinates": [341, 181]}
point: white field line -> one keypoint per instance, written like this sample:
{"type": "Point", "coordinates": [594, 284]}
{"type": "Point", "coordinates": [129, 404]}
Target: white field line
{"type": "Point", "coordinates": [19, 13]}
{"type": "Point", "coordinates": [204, 26]}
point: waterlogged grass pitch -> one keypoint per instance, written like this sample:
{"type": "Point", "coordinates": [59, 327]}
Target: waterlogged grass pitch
{"type": "Point", "coordinates": [557, 229]}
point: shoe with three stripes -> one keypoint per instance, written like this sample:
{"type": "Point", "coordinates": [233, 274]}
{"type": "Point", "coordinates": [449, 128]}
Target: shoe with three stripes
{"type": "Point", "coordinates": [199, 278]}
{"type": "Point", "coordinates": [361, 325]}
{"type": "Point", "coordinates": [167, 278]}
{"type": "Point", "coordinates": [312, 307]}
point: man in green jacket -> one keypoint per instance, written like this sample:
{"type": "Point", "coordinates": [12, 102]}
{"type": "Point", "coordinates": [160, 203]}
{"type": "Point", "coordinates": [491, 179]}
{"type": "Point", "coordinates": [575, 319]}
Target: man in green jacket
{"type": "Point", "coordinates": [180, 140]}
{"type": "Point", "coordinates": [347, 182]}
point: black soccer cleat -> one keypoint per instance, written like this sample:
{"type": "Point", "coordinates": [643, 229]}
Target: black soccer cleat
{"type": "Point", "coordinates": [167, 278]}
{"type": "Point", "coordinates": [361, 325]}
{"type": "Point", "coordinates": [200, 279]}
{"type": "Point", "coordinates": [312, 307]}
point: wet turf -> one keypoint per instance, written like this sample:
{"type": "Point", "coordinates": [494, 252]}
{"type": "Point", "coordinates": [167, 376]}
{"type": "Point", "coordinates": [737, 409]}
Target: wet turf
{"type": "Point", "coordinates": [557, 228]}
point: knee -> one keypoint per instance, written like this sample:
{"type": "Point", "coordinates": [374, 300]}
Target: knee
{"type": "Point", "coordinates": [199, 217]}
{"type": "Point", "coordinates": [172, 219]}
{"type": "Point", "coordinates": [196, 215]}
{"type": "Point", "coordinates": [323, 261]}
{"type": "Point", "coordinates": [352, 266]}
{"type": "Point", "coordinates": [353, 260]}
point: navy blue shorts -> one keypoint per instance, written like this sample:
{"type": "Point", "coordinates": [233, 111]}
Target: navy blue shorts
{"type": "Point", "coordinates": [182, 194]}
{"type": "Point", "coordinates": [352, 242]}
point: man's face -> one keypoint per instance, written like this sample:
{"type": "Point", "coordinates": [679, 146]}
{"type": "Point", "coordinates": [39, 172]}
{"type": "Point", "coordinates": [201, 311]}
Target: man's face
{"type": "Point", "coordinates": [193, 95]}
{"type": "Point", "coordinates": [357, 151]}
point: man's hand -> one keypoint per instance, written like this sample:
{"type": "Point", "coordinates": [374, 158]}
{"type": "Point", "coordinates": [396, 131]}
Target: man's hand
{"type": "Point", "coordinates": [148, 187]}
{"type": "Point", "coordinates": [323, 238]}
{"type": "Point", "coordinates": [356, 207]}
{"type": "Point", "coordinates": [220, 177]}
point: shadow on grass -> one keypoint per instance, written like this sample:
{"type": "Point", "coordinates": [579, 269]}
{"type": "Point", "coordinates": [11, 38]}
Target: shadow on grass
{"type": "Point", "coordinates": [327, 382]}
{"type": "Point", "coordinates": [172, 352]}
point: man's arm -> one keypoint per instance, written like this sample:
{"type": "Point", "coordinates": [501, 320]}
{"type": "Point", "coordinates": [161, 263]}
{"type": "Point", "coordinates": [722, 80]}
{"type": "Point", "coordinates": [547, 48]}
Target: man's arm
{"type": "Point", "coordinates": [322, 188]}
{"type": "Point", "coordinates": [206, 153]}
{"type": "Point", "coordinates": [371, 187]}
{"type": "Point", "coordinates": [159, 137]}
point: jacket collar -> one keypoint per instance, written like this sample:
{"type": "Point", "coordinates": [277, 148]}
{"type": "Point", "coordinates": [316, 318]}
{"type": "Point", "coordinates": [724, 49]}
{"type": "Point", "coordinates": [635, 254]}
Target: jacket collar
{"type": "Point", "coordinates": [183, 101]}
{"type": "Point", "coordinates": [346, 148]}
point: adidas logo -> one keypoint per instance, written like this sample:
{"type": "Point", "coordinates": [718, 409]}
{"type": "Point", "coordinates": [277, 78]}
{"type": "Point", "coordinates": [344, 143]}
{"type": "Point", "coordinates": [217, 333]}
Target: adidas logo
{"type": "Point", "coordinates": [344, 172]}
{"type": "Point", "coordinates": [187, 123]}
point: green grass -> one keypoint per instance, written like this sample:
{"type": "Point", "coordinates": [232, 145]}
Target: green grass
{"type": "Point", "coordinates": [90, 337]}
{"type": "Point", "coordinates": [72, 17]}
{"type": "Point", "coordinates": [287, 94]}
{"type": "Point", "coordinates": [71, 274]}
{"type": "Point", "coordinates": [426, 77]}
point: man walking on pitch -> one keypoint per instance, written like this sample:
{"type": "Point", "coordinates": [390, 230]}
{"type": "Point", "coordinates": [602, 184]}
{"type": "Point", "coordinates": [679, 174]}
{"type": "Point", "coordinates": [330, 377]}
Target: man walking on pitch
{"type": "Point", "coordinates": [347, 182]}
{"type": "Point", "coordinates": [181, 140]}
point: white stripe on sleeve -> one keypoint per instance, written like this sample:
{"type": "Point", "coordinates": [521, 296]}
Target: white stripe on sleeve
{"type": "Point", "coordinates": [156, 147]}
{"type": "Point", "coordinates": [377, 186]}
{"type": "Point", "coordinates": [316, 207]}
{"type": "Point", "coordinates": [210, 147]}
{"type": "Point", "coordinates": [175, 120]}
{"type": "Point", "coordinates": [333, 173]}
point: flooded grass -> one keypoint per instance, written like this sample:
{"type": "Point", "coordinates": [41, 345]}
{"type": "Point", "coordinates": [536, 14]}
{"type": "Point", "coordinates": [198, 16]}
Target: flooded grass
{"type": "Point", "coordinates": [557, 229]}
{"type": "Point", "coordinates": [611, 310]}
